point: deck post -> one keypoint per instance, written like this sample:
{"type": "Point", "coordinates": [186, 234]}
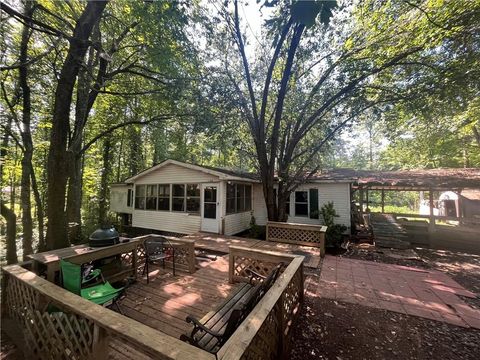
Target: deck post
{"type": "Point", "coordinates": [361, 200]}
{"type": "Point", "coordinates": [367, 200]}
{"type": "Point", "coordinates": [100, 343]}
{"type": "Point", "coordinates": [431, 219]}
{"type": "Point", "coordinates": [383, 201]}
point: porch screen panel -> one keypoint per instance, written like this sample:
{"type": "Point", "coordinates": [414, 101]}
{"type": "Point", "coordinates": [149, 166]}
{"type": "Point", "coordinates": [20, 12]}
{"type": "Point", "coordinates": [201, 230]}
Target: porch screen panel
{"type": "Point", "coordinates": [178, 197]}
{"type": "Point", "coordinates": [193, 198]}
{"type": "Point", "coordinates": [231, 205]}
{"type": "Point", "coordinates": [164, 197]}
{"type": "Point", "coordinates": [129, 197]}
{"type": "Point", "coordinates": [248, 197]}
{"type": "Point", "coordinates": [313, 203]}
{"type": "Point", "coordinates": [240, 197]}
{"type": "Point", "coordinates": [151, 198]}
{"type": "Point", "coordinates": [140, 197]}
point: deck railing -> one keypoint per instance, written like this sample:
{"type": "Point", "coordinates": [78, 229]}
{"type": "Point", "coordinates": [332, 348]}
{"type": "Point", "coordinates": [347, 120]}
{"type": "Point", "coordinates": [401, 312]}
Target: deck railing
{"type": "Point", "coordinates": [266, 332]}
{"type": "Point", "coordinates": [58, 324]}
{"type": "Point", "coordinates": [61, 325]}
{"type": "Point", "coordinates": [184, 253]}
{"type": "Point", "coordinates": [299, 234]}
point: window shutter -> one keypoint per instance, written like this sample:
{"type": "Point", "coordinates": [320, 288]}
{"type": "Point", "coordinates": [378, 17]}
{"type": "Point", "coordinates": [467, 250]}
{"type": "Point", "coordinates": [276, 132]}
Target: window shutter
{"type": "Point", "coordinates": [313, 203]}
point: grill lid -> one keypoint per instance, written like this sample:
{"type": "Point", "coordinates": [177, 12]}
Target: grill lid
{"type": "Point", "coordinates": [106, 235]}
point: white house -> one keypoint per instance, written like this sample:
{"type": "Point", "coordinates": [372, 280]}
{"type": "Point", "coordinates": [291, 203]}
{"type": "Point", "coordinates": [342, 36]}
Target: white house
{"type": "Point", "coordinates": [184, 198]}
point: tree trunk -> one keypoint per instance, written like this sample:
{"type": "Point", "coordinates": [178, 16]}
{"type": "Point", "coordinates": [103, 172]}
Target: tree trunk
{"type": "Point", "coordinates": [40, 213]}
{"type": "Point", "coordinates": [25, 192]}
{"type": "Point", "coordinates": [74, 201]}
{"type": "Point", "coordinates": [102, 209]}
{"type": "Point", "coordinates": [476, 134]}
{"type": "Point", "coordinates": [11, 219]}
{"type": "Point", "coordinates": [4, 146]}
{"type": "Point", "coordinates": [120, 152]}
{"type": "Point", "coordinates": [9, 215]}
{"type": "Point", "coordinates": [58, 158]}
{"type": "Point", "coordinates": [74, 192]}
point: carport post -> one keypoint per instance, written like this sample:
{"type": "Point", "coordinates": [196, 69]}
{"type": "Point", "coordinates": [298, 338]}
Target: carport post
{"type": "Point", "coordinates": [383, 201]}
{"type": "Point", "coordinates": [431, 220]}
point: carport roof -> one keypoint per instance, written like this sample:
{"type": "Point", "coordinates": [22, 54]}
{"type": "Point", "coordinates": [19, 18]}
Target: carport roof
{"type": "Point", "coordinates": [439, 179]}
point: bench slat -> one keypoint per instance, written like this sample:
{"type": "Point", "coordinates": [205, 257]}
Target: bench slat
{"type": "Point", "coordinates": [229, 301]}
{"type": "Point", "coordinates": [208, 341]}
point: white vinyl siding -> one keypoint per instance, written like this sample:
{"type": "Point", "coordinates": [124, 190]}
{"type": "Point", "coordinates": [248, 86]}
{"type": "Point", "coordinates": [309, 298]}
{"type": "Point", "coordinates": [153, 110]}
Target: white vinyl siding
{"type": "Point", "coordinates": [174, 174]}
{"type": "Point", "coordinates": [339, 193]}
{"type": "Point", "coordinates": [118, 199]}
{"type": "Point", "coordinates": [236, 223]}
{"type": "Point", "coordinates": [259, 207]}
{"type": "Point", "coordinates": [183, 223]}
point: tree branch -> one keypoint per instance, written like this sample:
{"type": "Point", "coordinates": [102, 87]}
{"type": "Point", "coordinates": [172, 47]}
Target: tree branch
{"type": "Point", "coordinates": [127, 123]}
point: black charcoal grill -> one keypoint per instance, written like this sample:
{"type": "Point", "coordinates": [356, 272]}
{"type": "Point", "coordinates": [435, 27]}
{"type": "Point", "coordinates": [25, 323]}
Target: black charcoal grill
{"type": "Point", "coordinates": [105, 236]}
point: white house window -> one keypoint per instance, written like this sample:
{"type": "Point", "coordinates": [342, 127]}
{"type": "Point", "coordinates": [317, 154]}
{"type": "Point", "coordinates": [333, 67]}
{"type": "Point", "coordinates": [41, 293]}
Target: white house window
{"type": "Point", "coordinates": [129, 197]}
{"type": "Point", "coordinates": [140, 197]}
{"type": "Point", "coordinates": [231, 198]}
{"type": "Point", "coordinates": [151, 198]}
{"type": "Point", "coordinates": [178, 197]}
{"type": "Point", "coordinates": [164, 197]}
{"type": "Point", "coordinates": [301, 203]}
{"type": "Point", "coordinates": [248, 197]}
{"type": "Point", "coordinates": [193, 198]}
{"type": "Point", "coordinates": [239, 198]}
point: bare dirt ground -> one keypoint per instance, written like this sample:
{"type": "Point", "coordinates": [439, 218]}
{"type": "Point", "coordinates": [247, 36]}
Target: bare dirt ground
{"type": "Point", "coordinates": [329, 329]}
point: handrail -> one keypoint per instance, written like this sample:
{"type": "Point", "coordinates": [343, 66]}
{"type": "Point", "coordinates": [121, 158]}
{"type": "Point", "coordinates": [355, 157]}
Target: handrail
{"type": "Point", "coordinates": [282, 302]}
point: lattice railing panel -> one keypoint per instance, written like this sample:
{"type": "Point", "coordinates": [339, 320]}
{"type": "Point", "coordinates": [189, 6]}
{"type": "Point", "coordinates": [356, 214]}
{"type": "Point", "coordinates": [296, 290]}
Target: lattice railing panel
{"type": "Point", "coordinates": [260, 266]}
{"type": "Point", "coordinates": [58, 336]}
{"type": "Point", "coordinates": [293, 234]}
{"type": "Point", "coordinates": [19, 298]}
{"type": "Point", "coordinates": [266, 343]}
{"type": "Point", "coordinates": [283, 301]}
{"type": "Point", "coordinates": [127, 259]}
{"type": "Point", "coordinates": [291, 301]}
{"type": "Point", "coordinates": [182, 255]}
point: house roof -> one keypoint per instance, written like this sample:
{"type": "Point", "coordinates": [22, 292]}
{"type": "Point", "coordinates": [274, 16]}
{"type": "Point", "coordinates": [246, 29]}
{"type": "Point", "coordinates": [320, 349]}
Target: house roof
{"type": "Point", "coordinates": [224, 174]}
{"type": "Point", "coordinates": [444, 178]}
{"type": "Point", "coordinates": [441, 179]}
{"type": "Point", "coordinates": [471, 194]}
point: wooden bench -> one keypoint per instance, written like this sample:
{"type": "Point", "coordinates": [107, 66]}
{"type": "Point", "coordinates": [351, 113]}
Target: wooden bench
{"type": "Point", "coordinates": [215, 328]}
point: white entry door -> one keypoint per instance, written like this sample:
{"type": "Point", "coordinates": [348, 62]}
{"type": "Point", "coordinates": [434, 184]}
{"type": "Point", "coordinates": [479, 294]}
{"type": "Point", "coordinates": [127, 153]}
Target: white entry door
{"type": "Point", "coordinates": [210, 208]}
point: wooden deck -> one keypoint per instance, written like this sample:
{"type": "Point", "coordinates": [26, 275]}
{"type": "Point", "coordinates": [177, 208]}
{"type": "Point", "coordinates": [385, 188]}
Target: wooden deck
{"type": "Point", "coordinates": [221, 243]}
{"type": "Point", "coordinates": [165, 302]}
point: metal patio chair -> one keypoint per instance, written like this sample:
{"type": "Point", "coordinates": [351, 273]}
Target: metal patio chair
{"type": "Point", "coordinates": [158, 249]}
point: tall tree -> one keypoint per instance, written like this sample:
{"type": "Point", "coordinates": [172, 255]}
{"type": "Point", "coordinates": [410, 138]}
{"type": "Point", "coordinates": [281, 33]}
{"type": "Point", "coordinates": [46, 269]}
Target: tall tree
{"type": "Point", "coordinates": [25, 192]}
{"type": "Point", "coordinates": [59, 159]}
{"type": "Point", "coordinates": [314, 79]}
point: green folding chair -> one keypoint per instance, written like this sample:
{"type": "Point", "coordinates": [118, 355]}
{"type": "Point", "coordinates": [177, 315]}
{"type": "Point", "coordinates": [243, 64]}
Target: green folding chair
{"type": "Point", "coordinates": [102, 294]}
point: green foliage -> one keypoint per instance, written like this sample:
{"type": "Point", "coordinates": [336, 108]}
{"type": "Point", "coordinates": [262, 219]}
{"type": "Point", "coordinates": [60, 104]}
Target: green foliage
{"type": "Point", "coordinates": [256, 231]}
{"type": "Point", "coordinates": [334, 234]}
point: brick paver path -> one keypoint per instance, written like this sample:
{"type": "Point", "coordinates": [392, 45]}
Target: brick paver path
{"type": "Point", "coordinates": [408, 290]}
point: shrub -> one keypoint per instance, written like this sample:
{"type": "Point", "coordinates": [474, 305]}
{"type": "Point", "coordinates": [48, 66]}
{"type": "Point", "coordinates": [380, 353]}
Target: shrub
{"type": "Point", "coordinates": [256, 231]}
{"type": "Point", "coordinates": [334, 234]}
